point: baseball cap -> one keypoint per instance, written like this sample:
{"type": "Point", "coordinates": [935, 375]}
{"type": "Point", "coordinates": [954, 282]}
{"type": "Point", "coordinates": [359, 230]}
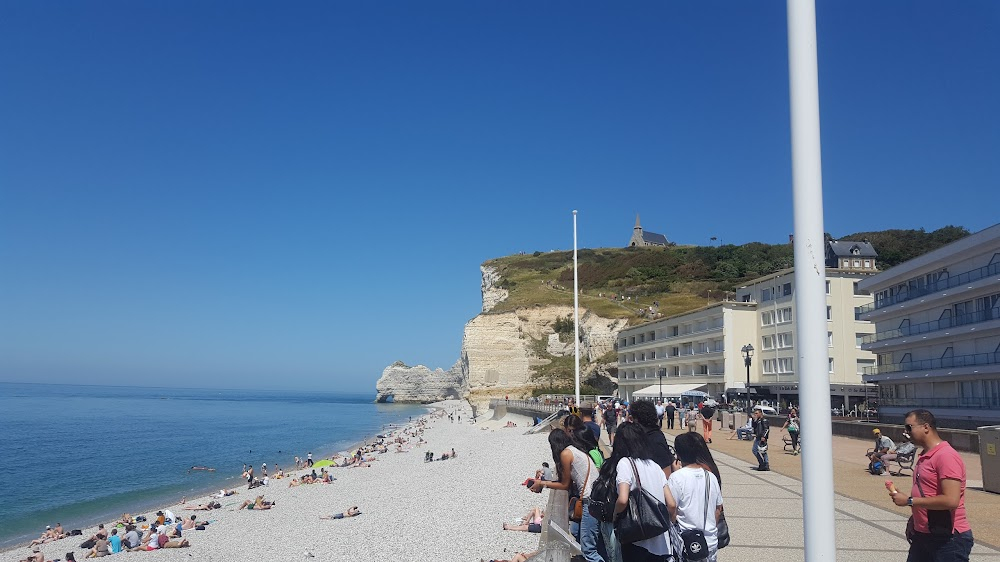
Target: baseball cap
{"type": "Point", "coordinates": [876, 430]}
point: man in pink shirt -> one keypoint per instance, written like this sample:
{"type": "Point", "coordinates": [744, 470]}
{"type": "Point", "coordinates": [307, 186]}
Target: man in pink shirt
{"type": "Point", "coordinates": [940, 532]}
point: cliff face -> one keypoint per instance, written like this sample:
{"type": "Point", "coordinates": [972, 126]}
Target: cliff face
{"type": "Point", "coordinates": [402, 383]}
{"type": "Point", "coordinates": [499, 350]}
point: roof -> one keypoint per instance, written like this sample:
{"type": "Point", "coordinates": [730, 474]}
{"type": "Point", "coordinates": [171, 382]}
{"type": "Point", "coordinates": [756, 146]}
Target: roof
{"type": "Point", "coordinates": [845, 248]}
{"type": "Point", "coordinates": [654, 238]}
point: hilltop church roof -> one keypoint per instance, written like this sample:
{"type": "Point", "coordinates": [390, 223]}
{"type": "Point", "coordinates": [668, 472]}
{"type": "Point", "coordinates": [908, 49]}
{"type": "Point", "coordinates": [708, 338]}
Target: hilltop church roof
{"type": "Point", "coordinates": [653, 238]}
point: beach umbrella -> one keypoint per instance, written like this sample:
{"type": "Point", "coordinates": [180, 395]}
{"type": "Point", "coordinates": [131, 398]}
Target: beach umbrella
{"type": "Point", "coordinates": [322, 463]}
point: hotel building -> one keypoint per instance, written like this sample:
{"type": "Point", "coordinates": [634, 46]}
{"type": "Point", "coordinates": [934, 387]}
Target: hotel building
{"type": "Point", "coordinates": [701, 350]}
{"type": "Point", "coordinates": [937, 333]}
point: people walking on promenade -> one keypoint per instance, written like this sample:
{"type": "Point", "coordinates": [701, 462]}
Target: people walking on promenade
{"type": "Point", "coordinates": [706, 412]}
{"type": "Point", "coordinates": [761, 431]}
{"type": "Point", "coordinates": [792, 426]}
{"type": "Point", "coordinates": [668, 413]}
{"type": "Point", "coordinates": [938, 530]}
{"type": "Point", "coordinates": [634, 468]}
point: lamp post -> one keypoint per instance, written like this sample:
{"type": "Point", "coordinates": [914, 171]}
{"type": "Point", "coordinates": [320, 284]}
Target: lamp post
{"type": "Point", "coordinates": [661, 373]}
{"type": "Point", "coordinates": [747, 360]}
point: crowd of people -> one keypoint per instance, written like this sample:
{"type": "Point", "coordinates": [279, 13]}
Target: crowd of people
{"type": "Point", "coordinates": [684, 482]}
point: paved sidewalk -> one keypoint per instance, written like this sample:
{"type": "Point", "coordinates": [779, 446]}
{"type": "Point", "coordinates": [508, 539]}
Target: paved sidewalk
{"type": "Point", "coordinates": [764, 509]}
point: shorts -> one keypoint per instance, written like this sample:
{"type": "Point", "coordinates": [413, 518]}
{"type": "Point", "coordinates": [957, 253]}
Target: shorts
{"type": "Point", "coordinates": [534, 528]}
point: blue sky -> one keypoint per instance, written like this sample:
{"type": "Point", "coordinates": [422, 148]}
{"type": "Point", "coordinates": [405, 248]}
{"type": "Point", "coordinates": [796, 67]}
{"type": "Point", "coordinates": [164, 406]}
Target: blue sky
{"type": "Point", "coordinates": [272, 194]}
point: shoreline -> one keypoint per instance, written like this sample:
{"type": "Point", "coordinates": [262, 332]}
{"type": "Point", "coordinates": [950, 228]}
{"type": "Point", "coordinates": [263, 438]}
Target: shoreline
{"type": "Point", "coordinates": [409, 508]}
{"type": "Point", "coordinates": [154, 504]}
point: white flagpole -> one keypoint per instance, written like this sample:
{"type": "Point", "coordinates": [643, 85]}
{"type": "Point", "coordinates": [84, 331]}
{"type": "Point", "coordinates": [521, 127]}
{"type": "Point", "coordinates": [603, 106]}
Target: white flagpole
{"type": "Point", "coordinates": [810, 285]}
{"type": "Point", "coordinates": [576, 315]}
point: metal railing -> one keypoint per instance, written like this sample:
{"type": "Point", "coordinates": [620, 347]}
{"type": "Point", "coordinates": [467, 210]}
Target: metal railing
{"type": "Point", "coordinates": [671, 337]}
{"type": "Point", "coordinates": [539, 406]}
{"type": "Point", "coordinates": [939, 285]}
{"type": "Point", "coordinates": [679, 356]}
{"type": "Point", "coordinates": [935, 325]}
{"type": "Point", "coordinates": [942, 363]}
{"type": "Point", "coordinates": [970, 403]}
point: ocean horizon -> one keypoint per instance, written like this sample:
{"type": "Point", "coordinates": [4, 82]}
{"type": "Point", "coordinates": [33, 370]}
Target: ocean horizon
{"type": "Point", "coordinates": [79, 455]}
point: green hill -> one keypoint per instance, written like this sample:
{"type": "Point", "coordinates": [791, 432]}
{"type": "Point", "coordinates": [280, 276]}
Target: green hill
{"type": "Point", "coordinates": [619, 282]}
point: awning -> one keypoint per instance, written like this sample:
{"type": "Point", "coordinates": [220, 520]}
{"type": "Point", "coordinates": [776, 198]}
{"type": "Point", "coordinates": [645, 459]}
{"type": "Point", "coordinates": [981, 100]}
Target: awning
{"type": "Point", "coordinates": [671, 390]}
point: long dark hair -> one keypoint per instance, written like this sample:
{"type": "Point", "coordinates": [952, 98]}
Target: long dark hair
{"type": "Point", "coordinates": [583, 439]}
{"type": "Point", "coordinates": [572, 423]}
{"type": "Point", "coordinates": [691, 449]}
{"type": "Point", "coordinates": [558, 441]}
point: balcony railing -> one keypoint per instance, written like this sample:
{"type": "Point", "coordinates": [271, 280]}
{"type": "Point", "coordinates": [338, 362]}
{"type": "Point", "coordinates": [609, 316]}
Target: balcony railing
{"type": "Point", "coordinates": [970, 403]}
{"type": "Point", "coordinates": [671, 336]}
{"type": "Point", "coordinates": [931, 364]}
{"type": "Point", "coordinates": [679, 356]}
{"type": "Point", "coordinates": [942, 324]}
{"type": "Point", "coordinates": [939, 285]}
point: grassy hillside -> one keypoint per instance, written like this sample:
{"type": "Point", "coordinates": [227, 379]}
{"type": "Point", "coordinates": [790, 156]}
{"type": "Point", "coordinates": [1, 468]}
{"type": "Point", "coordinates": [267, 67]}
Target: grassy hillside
{"type": "Point", "coordinates": [679, 278]}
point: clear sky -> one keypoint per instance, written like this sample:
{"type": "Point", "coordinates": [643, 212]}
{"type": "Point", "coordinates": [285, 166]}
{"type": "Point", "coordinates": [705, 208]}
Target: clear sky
{"type": "Point", "coordinates": [296, 194]}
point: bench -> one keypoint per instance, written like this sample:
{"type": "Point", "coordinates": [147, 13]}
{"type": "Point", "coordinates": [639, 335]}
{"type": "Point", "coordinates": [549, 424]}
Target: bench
{"type": "Point", "coordinates": [904, 462]}
{"type": "Point", "coordinates": [556, 543]}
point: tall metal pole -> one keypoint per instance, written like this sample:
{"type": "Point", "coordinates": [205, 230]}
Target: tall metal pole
{"type": "Point", "coordinates": [810, 284]}
{"type": "Point", "coordinates": [576, 316]}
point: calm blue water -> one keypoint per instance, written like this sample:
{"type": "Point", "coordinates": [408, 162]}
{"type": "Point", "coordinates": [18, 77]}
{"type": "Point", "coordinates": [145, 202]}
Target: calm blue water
{"type": "Point", "coordinates": [79, 455]}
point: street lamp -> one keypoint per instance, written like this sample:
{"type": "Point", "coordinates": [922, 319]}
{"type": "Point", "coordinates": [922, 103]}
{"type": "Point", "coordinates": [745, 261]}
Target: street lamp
{"type": "Point", "coordinates": [747, 360]}
{"type": "Point", "coordinates": [662, 373]}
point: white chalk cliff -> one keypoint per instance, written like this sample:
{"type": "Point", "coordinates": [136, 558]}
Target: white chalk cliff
{"type": "Point", "coordinates": [402, 383]}
{"type": "Point", "coordinates": [496, 350]}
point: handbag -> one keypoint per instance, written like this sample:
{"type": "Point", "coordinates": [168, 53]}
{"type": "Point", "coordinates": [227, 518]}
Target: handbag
{"type": "Point", "coordinates": [603, 495]}
{"type": "Point", "coordinates": [695, 544]}
{"type": "Point", "coordinates": [644, 518]}
{"type": "Point", "coordinates": [939, 521]}
{"type": "Point", "coordinates": [722, 530]}
{"type": "Point", "coordinates": [577, 513]}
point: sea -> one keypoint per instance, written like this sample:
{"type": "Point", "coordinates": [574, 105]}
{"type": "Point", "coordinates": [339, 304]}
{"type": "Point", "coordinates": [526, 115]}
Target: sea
{"type": "Point", "coordinates": [80, 455]}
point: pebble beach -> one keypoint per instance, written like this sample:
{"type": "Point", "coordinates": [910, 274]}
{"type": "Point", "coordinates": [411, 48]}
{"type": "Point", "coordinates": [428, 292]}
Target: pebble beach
{"type": "Point", "coordinates": [451, 510]}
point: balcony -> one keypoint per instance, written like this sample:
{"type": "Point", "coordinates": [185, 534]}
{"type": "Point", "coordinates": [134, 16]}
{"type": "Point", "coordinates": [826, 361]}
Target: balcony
{"type": "Point", "coordinates": [942, 324]}
{"type": "Point", "coordinates": [973, 360]}
{"type": "Point", "coordinates": [939, 285]}
{"type": "Point", "coordinates": [935, 403]}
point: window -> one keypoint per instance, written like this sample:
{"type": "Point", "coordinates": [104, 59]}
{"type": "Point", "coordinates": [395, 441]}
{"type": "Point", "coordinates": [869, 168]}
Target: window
{"type": "Point", "coordinates": [784, 315]}
{"type": "Point", "coordinates": [642, 338]}
{"type": "Point", "coordinates": [675, 351]}
{"type": "Point", "coordinates": [767, 318]}
{"type": "Point", "coordinates": [858, 339]}
{"type": "Point", "coordinates": [828, 286]}
{"type": "Point", "coordinates": [785, 365]}
{"type": "Point", "coordinates": [857, 263]}
{"type": "Point", "coordinates": [829, 313]}
{"type": "Point", "coordinates": [767, 342]}
{"type": "Point", "coordinates": [702, 369]}
{"type": "Point", "coordinates": [766, 294]}
{"type": "Point", "coordinates": [677, 371]}
{"type": "Point", "coordinates": [829, 339]}
{"type": "Point", "coordinates": [786, 289]}
{"type": "Point", "coordinates": [675, 331]}
{"type": "Point", "coordinates": [857, 313]}
{"type": "Point", "coordinates": [830, 359]}
{"type": "Point", "coordinates": [865, 363]}
{"type": "Point", "coordinates": [868, 263]}
{"type": "Point", "coordinates": [633, 340]}
{"type": "Point", "coordinates": [769, 366]}
{"type": "Point", "coordinates": [642, 357]}
{"type": "Point", "coordinates": [784, 340]}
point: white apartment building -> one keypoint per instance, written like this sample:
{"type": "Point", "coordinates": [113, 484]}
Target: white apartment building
{"type": "Point", "coordinates": [937, 340]}
{"type": "Point", "coordinates": [697, 350]}
{"type": "Point", "coordinates": [774, 373]}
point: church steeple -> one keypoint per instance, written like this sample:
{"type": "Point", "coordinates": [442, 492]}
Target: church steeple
{"type": "Point", "coordinates": [637, 225]}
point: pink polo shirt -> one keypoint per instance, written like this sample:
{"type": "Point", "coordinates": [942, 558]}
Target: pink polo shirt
{"type": "Point", "coordinates": [941, 462]}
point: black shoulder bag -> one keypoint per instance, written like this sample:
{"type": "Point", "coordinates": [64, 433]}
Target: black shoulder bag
{"type": "Point", "coordinates": [603, 496]}
{"type": "Point", "coordinates": [695, 543]}
{"type": "Point", "coordinates": [644, 518]}
{"type": "Point", "coordinates": [939, 521]}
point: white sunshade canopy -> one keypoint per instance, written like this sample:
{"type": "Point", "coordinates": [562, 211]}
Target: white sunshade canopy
{"type": "Point", "coordinates": [653, 391]}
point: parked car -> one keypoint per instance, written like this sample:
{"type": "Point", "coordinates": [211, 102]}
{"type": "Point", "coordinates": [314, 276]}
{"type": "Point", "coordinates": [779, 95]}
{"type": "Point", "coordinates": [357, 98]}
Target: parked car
{"type": "Point", "coordinates": [767, 410]}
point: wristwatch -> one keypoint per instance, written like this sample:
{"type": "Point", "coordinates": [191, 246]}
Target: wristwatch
{"type": "Point", "coordinates": [909, 501]}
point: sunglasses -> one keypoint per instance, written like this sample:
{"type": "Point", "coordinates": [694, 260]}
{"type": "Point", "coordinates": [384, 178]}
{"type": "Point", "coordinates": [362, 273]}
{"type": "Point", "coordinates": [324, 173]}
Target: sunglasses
{"type": "Point", "coordinates": [909, 428]}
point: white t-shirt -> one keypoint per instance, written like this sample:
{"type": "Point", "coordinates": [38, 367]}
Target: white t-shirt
{"type": "Point", "coordinates": [687, 485]}
{"type": "Point", "coordinates": [653, 481]}
{"type": "Point", "coordinates": [582, 464]}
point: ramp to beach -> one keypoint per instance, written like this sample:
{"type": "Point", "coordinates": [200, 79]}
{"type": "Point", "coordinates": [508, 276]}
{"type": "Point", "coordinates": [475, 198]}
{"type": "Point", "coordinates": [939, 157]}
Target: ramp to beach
{"type": "Point", "coordinates": [499, 411]}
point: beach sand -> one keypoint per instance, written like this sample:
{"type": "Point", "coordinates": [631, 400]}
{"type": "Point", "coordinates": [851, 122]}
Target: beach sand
{"type": "Point", "coordinates": [445, 511]}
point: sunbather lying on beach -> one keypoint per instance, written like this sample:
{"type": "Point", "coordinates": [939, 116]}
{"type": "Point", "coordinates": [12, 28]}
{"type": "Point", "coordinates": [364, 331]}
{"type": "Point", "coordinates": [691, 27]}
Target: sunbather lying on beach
{"type": "Point", "coordinates": [532, 522]}
{"type": "Point", "coordinates": [36, 555]}
{"type": "Point", "coordinates": [352, 512]}
{"type": "Point", "coordinates": [224, 493]}
{"type": "Point", "coordinates": [256, 504]}
{"type": "Point", "coordinates": [519, 557]}
{"type": "Point", "coordinates": [193, 523]}
{"type": "Point", "coordinates": [203, 507]}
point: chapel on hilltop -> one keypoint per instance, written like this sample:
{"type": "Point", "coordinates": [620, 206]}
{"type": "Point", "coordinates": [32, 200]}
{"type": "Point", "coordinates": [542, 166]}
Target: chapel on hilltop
{"type": "Point", "coordinates": [642, 238]}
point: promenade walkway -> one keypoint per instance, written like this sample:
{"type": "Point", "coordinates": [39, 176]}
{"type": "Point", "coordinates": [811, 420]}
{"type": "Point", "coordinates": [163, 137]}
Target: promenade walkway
{"type": "Point", "coordinates": [764, 509]}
